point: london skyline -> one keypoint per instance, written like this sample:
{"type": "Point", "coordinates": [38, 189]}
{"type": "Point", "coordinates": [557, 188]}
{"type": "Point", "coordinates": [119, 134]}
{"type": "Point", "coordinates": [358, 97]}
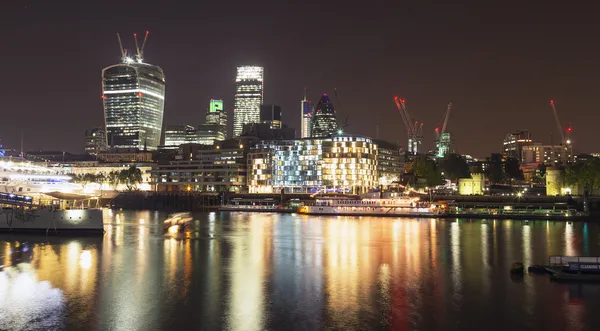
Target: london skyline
{"type": "Point", "coordinates": [500, 76]}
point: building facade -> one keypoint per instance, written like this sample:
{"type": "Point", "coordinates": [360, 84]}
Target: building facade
{"type": "Point", "coordinates": [94, 141]}
{"type": "Point", "coordinates": [306, 113]}
{"type": "Point", "coordinates": [218, 168]}
{"type": "Point", "coordinates": [514, 142]}
{"type": "Point", "coordinates": [390, 162]}
{"type": "Point", "coordinates": [133, 94]}
{"type": "Point", "coordinates": [340, 163]}
{"type": "Point", "coordinates": [271, 114]}
{"type": "Point", "coordinates": [444, 145]}
{"type": "Point", "coordinates": [324, 123]}
{"type": "Point", "coordinates": [179, 134]}
{"type": "Point", "coordinates": [217, 115]}
{"type": "Point", "coordinates": [248, 97]}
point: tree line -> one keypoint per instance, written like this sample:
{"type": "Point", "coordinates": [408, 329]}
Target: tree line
{"type": "Point", "coordinates": [130, 177]}
{"type": "Point", "coordinates": [499, 170]}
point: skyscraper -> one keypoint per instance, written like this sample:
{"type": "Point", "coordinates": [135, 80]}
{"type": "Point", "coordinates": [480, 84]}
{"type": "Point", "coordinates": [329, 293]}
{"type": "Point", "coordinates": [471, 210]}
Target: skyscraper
{"type": "Point", "coordinates": [306, 108]}
{"type": "Point", "coordinates": [94, 141]}
{"type": "Point", "coordinates": [216, 115]}
{"type": "Point", "coordinates": [324, 123]}
{"type": "Point", "coordinates": [271, 114]}
{"type": "Point", "coordinates": [134, 97]}
{"type": "Point", "coordinates": [248, 97]}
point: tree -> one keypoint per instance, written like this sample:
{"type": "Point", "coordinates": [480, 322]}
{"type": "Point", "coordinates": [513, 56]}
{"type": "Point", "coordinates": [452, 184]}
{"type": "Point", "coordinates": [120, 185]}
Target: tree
{"type": "Point", "coordinates": [130, 177]}
{"type": "Point", "coordinates": [541, 169]}
{"type": "Point", "coordinates": [495, 169]}
{"type": "Point", "coordinates": [113, 179]}
{"type": "Point", "coordinates": [512, 168]}
{"type": "Point", "coordinates": [454, 167]}
{"type": "Point", "coordinates": [586, 175]}
{"type": "Point", "coordinates": [424, 167]}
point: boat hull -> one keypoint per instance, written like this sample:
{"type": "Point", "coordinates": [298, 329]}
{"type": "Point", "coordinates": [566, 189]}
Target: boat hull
{"type": "Point", "coordinates": [51, 221]}
{"type": "Point", "coordinates": [383, 211]}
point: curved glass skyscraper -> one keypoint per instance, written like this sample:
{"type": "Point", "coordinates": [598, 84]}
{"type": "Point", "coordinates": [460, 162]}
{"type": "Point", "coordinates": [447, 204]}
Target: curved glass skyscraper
{"type": "Point", "coordinates": [323, 122]}
{"type": "Point", "coordinates": [134, 98]}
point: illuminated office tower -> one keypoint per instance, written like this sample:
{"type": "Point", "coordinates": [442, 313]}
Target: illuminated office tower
{"type": "Point", "coordinates": [248, 97]}
{"type": "Point", "coordinates": [306, 108]}
{"type": "Point", "coordinates": [217, 116]}
{"type": "Point", "coordinates": [323, 124]}
{"type": "Point", "coordinates": [134, 95]}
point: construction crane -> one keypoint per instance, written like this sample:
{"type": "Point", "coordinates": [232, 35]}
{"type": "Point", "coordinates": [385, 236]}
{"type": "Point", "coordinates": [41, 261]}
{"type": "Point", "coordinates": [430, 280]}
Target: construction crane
{"type": "Point", "coordinates": [443, 140]}
{"type": "Point", "coordinates": [565, 143]}
{"type": "Point", "coordinates": [438, 131]}
{"type": "Point", "coordinates": [123, 50]}
{"type": "Point", "coordinates": [414, 130]}
{"type": "Point", "coordinates": [558, 125]}
{"type": "Point", "coordinates": [139, 56]}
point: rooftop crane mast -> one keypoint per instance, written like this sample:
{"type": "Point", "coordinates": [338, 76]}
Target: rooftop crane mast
{"type": "Point", "coordinates": [414, 130]}
{"type": "Point", "coordinates": [123, 50]}
{"type": "Point", "coordinates": [139, 56]}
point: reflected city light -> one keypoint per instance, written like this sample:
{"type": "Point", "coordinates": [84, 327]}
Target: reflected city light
{"type": "Point", "coordinates": [85, 260]}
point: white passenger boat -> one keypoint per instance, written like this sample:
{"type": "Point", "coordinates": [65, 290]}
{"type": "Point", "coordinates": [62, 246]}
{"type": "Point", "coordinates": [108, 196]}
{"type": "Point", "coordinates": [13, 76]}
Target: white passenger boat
{"type": "Point", "coordinates": [400, 207]}
{"type": "Point", "coordinates": [50, 220]}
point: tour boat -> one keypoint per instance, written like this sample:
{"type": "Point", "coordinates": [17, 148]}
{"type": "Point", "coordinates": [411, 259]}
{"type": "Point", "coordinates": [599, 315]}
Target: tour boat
{"type": "Point", "coordinates": [22, 216]}
{"type": "Point", "coordinates": [399, 207]}
{"type": "Point", "coordinates": [177, 223]}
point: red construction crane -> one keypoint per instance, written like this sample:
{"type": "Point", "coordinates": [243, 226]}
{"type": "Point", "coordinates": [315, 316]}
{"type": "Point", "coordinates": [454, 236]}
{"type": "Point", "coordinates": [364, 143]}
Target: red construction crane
{"type": "Point", "coordinates": [438, 131]}
{"type": "Point", "coordinates": [414, 130]}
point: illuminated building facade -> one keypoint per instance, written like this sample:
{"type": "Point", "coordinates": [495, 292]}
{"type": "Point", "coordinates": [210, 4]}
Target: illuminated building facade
{"type": "Point", "coordinates": [218, 168]}
{"type": "Point", "coordinates": [514, 142]}
{"type": "Point", "coordinates": [179, 134]}
{"type": "Point", "coordinates": [324, 124]}
{"type": "Point", "coordinates": [216, 115]}
{"type": "Point", "coordinates": [248, 97]}
{"type": "Point", "coordinates": [390, 162]}
{"type": "Point", "coordinates": [94, 141]}
{"type": "Point", "coordinates": [133, 94]}
{"type": "Point", "coordinates": [271, 114]}
{"type": "Point", "coordinates": [444, 145]}
{"type": "Point", "coordinates": [344, 163]}
{"type": "Point", "coordinates": [306, 108]}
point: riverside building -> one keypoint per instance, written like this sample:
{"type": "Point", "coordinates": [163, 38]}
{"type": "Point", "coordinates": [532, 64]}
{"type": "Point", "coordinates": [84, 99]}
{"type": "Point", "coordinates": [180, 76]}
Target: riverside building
{"type": "Point", "coordinates": [340, 163]}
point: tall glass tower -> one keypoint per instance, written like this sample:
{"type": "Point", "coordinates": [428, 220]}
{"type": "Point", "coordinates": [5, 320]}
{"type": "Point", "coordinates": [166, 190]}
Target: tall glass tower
{"type": "Point", "coordinates": [134, 99]}
{"type": "Point", "coordinates": [306, 108]}
{"type": "Point", "coordinates": [324, 123]}
{"type": "Point", "coordinates": [248, 97]}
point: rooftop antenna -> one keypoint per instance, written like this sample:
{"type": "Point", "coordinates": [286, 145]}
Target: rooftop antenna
{"type": "Point", "coordinates": [304, 94]}
{"type": "Point", "coordinates": [123, 51]}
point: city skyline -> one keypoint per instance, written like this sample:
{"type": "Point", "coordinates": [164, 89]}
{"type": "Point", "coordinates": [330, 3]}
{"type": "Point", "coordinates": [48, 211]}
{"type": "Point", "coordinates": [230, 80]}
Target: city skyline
{"type": "Point", "coordinates": [500, 76]}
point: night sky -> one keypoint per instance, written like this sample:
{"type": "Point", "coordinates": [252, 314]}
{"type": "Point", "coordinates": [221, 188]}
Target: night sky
{"type": "Point", "coordinates": [499, 64]}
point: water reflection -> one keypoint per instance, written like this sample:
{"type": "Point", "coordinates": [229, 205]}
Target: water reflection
{"type": "Point", "coordinates": [272, 271]}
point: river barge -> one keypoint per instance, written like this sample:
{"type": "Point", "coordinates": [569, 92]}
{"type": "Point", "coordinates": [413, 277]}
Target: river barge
{"type": "Point", "coordinates": [393, 207]}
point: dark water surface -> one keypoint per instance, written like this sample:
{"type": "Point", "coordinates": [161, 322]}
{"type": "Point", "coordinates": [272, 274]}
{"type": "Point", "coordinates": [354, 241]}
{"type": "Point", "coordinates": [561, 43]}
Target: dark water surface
{"type": "Point", "coordinates": [292, 272]}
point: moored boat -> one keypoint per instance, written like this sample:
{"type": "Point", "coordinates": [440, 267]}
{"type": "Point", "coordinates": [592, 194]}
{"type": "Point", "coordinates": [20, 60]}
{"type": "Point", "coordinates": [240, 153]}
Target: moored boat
{"type": "Point", "coordinates": [399, 207]}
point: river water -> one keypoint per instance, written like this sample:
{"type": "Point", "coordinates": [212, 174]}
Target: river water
{"type": "Point", "coordinates": [261, 271]}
